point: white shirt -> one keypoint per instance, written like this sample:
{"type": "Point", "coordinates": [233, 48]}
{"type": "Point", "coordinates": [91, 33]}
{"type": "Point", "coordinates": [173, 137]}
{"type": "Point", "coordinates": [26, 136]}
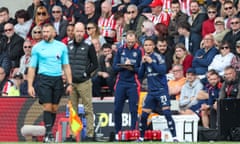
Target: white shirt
{"type": "Point", "coordinates": [220, 62]}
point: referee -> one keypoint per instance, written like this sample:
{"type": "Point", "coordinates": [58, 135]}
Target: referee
{"type": "Point", "coordinates": [51, 58]}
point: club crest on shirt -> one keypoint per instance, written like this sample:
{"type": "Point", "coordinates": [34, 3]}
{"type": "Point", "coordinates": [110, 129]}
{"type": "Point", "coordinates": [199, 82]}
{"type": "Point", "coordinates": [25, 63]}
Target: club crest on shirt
{"type": "Point", "coordinates": [134, 54]}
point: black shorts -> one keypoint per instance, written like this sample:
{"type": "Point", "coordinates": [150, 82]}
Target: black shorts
{"type": "Point", "coordinates": [50, 89]}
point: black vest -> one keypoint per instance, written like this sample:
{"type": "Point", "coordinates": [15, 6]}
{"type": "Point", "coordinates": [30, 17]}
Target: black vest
{"type": "Point", "coordinates": [79, 61]}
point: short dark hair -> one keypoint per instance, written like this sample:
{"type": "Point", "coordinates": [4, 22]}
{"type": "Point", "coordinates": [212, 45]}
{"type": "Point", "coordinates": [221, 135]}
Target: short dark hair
{"type": "Point", "coordinates": [106, 45]}
{"type": "Point", "coordinates": [184, 25]}
{"type": "Point", "coordinates": [4, 9]}
{"type": "Point", "coordinates": [22, 14]}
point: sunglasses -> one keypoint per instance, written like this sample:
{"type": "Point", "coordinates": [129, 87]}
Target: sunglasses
{"type": "Point", "coordinates": [131, 12]}
{"type": "Point", "coordinates": [226, 47]}
{"type": "Point", "coordinates": [237, 46]}
{"type": "Point", "coordinates": [89, 28]}
{"type": "Point", "coordinates": [6, 30]}
{"type": "Point", "coordinates": [211, 12]}
{"type": "Point", "coordinates": [37, 32]}
{"type": "Point", "coordinates": [234, 23]}
{"type": "Point", "coordinates": [56, 11]}
{"type": "Point", "coordinates": [228, 8]}
{"type": "Point", "coordinates": [42, 13]}
{"type": "Point", "coordinates": [27, 47]}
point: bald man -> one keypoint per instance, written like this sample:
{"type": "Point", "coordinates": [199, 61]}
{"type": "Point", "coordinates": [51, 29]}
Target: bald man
{"type": "Point", "coordinates": [83, 61]}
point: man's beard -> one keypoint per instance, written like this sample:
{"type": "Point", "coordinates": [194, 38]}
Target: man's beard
{"type": "Point", "coordinates": [48, 39]}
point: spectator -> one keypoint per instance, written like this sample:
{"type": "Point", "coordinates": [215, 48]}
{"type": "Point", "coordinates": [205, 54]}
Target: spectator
{"type": "Point", "coordinates": [236, 59]}
{"type": "Point", "coordinates": [234, 34]}
{"type": "Point", "coordinates": [14, 89]}
{"type": "Point", "coordinates": [129, 55]}
{"type": "Point", "coordinates": [190, 39]}
{"type": "Point", "coordinates": [41, 16]}
{"type": "Point", "coordinates": [105, 75]}
{"type": "Point", "coordinates": [148, 31]}
{"type": "Point", "coordinates": [12, 45]}
{"type": "Point", "coordinates": [230, 87]}
{"type": "Point", "coordinates": [97, 45]}
{"type": "Point", "coordinates": [197, 18]}
{"type": "Point", "coordinates": [134, 20]}
{"type": "Point", "coordinates": [70, 34]}
{"type": "Point", "coordinates": [177, 16]}
{"type": "Point", "coordinates": [220, 31]}
{"type": "Point", "coordinates": [33, 7]}
{"type": "Point", "coordinates": [71, 11]}
{"type": "Point", "coordinates": [204, 56]}
{"type": "Point", "coordinates": [5, 62]}
{"type": "Point", "coordinates": [106, 21]}
{"type": "Point", "coordinates": [158, 15]}
{"type": "Point", "coordinates": [4, 82]}
{"type": "Point", "coordinates": [25, 59]}
{"type": "Point", "coordinates": [209, 94]}
{"type": "Point", "coordinates": [58, 22]}
{"type": "Point", "coordinates": [94, 33]}
{"type": "Point", "coordinates": [185, 7]}
{"type": "Point", "coordinates": [36, 35]}
{"type": "Point", "coordinates": [5, 18]}
{"type": "Point", "coordinates": [161, 31]}
{"type": "Point", "coordinates": [182, 57]}
{"type": "Point", "coordinates": [90, 12]}
{"type": "Point", "coordinates": [83, 61]}
{"type": "Point", "coordinates": [176, 84]}
{"type": "Point", "coordinates": [166, 52]}
{"type": "Point", "coordinates": [208, 25]}
{"type": "Point", "coordinates": [229, 12]}
{"type": "Point", "coordinates": [142, 5]}
{"type": "Point", "coordinates": [120, 22]}
{"type": "Point", "coordinates": [222, 60]}
{"type": "Point", "coordinates": [122, 7]}
{"type": "Point", "coordinates": [188, 96]}
{"type": "Point", "coordinates": [23, 23]}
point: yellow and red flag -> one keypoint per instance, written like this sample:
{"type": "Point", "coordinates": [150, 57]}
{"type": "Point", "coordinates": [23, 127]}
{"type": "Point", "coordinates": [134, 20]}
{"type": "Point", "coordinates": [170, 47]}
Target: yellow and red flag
{"type": "Point", "coordinates": [75, 122]}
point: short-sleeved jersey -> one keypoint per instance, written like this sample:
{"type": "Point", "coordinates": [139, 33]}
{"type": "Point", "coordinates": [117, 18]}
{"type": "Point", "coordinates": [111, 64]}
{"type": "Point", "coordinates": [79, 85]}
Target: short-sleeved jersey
{"type": "Point", "coordinates": [49, 57]}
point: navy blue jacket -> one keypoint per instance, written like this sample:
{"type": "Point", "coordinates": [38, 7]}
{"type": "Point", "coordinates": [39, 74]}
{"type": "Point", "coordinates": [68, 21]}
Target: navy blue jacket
{"type": "Point", "coordinates": [134, 55]}
{"type": "Point", "coordinates": [155, 72]}
{"type": "Point", "coordinates": [202, 60]}
{"type": "Point", "coordinates": [194, 42]}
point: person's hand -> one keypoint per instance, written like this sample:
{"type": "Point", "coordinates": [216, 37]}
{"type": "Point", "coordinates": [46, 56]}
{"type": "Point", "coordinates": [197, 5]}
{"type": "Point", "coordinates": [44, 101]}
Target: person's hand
{"type": "Point", "coordinates": [31, 91]}
{"type": "Point", "coordinates": [128, 61]}
{"type": "Point", "coordinates": [148, 59]}
{"type": "Point", "coordinates": [69, 89]}
{"type": "Point", "coordinates": [204, 107]}
{"type": "Point", "coordinates": [105, 75]}
{"type": "Point", "coordinates": [108, 57]}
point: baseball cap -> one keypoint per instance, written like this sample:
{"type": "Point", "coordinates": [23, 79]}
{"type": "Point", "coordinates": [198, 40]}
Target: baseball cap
{"type": "Point", "coordinates": [238, 43]}
{"type": "Point", "coordinates": [156, 3]}
{"type": "Point", "coordinates": [191, 70]}
{"type": "Point", "coordinates": [18, 75]}
{"type": "Point", "coordinates": [219, 20]}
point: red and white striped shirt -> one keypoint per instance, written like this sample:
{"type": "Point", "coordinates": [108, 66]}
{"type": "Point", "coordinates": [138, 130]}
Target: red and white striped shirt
{"type": "Point", "coordinates": [7, 87]}
{"type": "Point", "coordinates": [106, 25]}
{"type": "Point", "coordinates": [163, 18]}
{"type": "Point", "coordinates": [185, 6]}
{"type": "Point", "coordinates": [167, 6]}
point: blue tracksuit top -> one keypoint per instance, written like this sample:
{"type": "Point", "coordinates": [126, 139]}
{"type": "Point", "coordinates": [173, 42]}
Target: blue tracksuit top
{"type": "Point", "coordinates": [134, 55]}
{"type": "Point", "coordinates": [155, 72]}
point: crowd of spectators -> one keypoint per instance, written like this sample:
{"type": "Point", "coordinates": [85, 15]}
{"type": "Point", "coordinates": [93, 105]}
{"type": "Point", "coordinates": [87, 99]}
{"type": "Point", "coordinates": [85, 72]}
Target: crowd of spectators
{"type": "Point", "coordinates": [195, 38]}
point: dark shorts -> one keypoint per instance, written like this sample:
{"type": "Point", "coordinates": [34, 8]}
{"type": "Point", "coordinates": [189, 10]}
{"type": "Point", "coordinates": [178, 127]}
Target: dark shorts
{"type": "Point", "coordinates": [156, 99]}
{"type": "Point", "coordinates": [50, 89]}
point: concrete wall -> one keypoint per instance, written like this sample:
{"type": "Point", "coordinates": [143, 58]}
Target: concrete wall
{"type": "Point", "coordinates": [14, 5]}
